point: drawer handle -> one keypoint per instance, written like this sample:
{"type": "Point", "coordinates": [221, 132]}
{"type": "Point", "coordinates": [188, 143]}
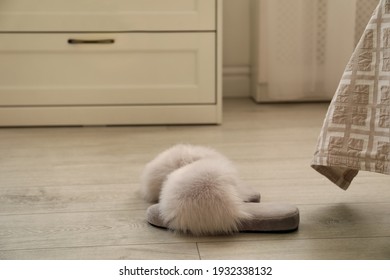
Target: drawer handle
{"type": "Point", "coordinates": [85, 41]}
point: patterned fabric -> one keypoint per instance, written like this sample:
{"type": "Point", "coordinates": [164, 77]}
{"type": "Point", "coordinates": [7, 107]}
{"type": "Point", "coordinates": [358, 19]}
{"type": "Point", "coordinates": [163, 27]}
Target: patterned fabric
{"type": "Point", "coordinates": [356, 132]}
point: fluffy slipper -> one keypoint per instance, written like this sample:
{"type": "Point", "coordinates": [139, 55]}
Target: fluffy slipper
{"type": "Point", "coordinates": [156, 171]}
{"type": "Point", "coordinates": [202, 199]}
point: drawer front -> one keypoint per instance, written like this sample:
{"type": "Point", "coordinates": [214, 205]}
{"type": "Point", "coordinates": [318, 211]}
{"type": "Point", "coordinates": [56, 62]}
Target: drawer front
{"type": "Point", "coordinates": [107, 69]}
{"type": "Point", "coordinates": [102, 15]}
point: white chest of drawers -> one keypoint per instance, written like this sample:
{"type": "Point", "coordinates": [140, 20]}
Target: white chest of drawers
{"type": "Point", "coordinates": [84, 62]}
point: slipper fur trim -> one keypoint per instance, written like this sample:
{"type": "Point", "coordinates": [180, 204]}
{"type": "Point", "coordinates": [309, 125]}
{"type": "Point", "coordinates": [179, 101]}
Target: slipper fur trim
{"type": "Point", "coordinates": [157, 170]}
{"type": "Point", "coordinates": [202, 198]}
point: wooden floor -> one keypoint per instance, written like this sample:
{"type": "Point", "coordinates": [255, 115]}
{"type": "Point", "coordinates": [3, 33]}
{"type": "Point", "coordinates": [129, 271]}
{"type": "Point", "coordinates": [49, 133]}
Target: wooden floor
{"type": "Point", "coordinates": [71, 193]}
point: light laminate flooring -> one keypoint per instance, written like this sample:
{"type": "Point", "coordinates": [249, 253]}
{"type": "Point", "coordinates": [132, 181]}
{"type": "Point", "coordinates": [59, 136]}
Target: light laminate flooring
{"type": "Point", "coordinates": [72, 192]}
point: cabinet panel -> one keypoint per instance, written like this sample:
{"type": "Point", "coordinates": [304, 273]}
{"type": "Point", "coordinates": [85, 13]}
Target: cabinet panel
{"type": "Point", "coordinates": [109, 69]}
{"type": "Point", "coordinates": [113, 15]}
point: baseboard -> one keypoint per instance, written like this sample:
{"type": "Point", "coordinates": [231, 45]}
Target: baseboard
{"type": "Point", "coordinates": [236, 81]}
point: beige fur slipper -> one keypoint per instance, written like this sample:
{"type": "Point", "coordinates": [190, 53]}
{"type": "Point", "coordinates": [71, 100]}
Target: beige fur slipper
{"type": "Point", "coordinates": [156, 171]}
{"type": "Point", "coordinates": [203, 198]}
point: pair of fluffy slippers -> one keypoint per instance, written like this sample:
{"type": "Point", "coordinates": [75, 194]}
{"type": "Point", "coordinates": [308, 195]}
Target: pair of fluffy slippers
{"type": "Point", "coordinates": [197, 190]}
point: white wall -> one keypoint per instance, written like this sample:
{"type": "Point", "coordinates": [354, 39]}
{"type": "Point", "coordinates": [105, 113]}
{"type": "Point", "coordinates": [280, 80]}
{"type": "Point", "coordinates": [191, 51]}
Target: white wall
{"type": "Point", "coordinates": [236, 48]}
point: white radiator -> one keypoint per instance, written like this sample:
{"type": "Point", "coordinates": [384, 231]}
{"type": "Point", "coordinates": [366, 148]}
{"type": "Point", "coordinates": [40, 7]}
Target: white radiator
{"type": "Point", "coordinates": [301, 47]}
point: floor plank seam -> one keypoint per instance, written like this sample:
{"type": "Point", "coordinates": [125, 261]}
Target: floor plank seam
{"type": "Point", "coordinates": [293, 239]}
{"type": "Point", "coordinates": [97, 246]}
{"type": "Point", "coordinates": [190, 242]}
{"type": "Point", "coordinates": [144, 209]}
{"type": "Point", "coordinates": [197, 249]}
{"type": "Point", "coordinates": [71, 212]}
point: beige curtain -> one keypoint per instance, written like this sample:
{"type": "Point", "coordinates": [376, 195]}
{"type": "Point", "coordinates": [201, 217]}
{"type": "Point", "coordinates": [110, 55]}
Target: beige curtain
{"type": "Point", "coordinates": [301, 47]}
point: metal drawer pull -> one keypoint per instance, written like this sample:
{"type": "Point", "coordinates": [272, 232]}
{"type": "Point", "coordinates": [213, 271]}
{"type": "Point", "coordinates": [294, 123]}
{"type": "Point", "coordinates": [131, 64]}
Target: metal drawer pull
{"type": "Point", "coordinates": [84, 41]}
